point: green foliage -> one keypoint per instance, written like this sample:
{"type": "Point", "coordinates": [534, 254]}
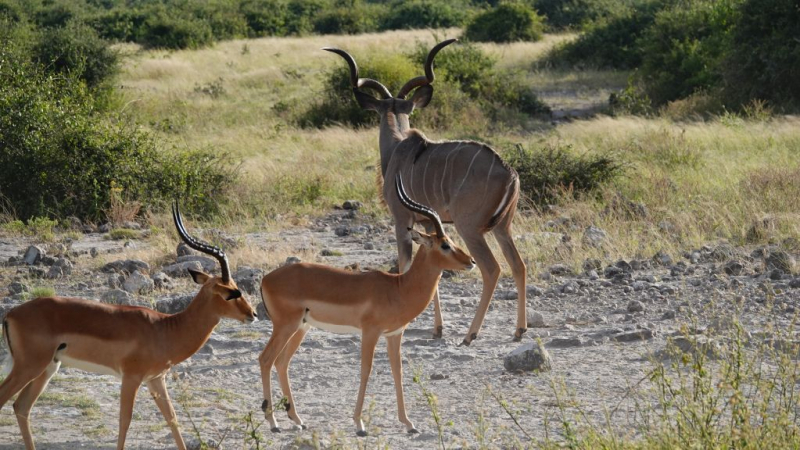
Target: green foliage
{"type": "Point", "coordinates": [77, 50]}
{"type": "Point", "coordinates": [424, 14]}
{"type": "Point", "coordinates": [764, 58]}
{"type": "Point", "coordinates": [564, 14]}
{"type": "Point", "coordinates": [354, 18]}
{"type": "Point", "coordinates": [547, 174]}
{"type": "Point", "coordinates": [35, 226]}
{"type": "Point", "coordinates": [508, 22]}
{"type": "Point", "coordinates": [59, 157]}
{"type": "Point", "coordinates": [264, 17]}
{"type": "Point", "coordinates": [683, 48]}
{"type": "Point", "coordinates": [164, 30]}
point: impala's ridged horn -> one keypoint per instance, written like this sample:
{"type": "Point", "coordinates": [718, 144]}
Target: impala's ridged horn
{"type": "Point", "coordinates": [358, 83]}
{"type": "Point", "coordinates": [429, 75]}
{"type": "Point", "coordinates": [200, 246]}
{"type": "Point", "coordinates": [417, 208]}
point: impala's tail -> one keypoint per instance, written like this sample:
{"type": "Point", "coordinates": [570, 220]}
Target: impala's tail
{"type": "Point", "coordinates": [264, 302]}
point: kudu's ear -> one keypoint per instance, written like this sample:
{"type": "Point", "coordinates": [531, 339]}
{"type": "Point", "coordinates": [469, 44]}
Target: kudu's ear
{"type": "Point", "coordinates": [366, 101]}
{"type": "Point", "coordinates": [422, 96]}
{"type": "Point", "coordinates": [199, 277]}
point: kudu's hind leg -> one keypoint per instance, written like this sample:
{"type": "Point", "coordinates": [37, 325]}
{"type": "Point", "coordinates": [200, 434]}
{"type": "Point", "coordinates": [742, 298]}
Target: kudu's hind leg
{"type": "Point", "coordinates": [490, 272]}
{"type": "Point", "coordinates": [503, 235]}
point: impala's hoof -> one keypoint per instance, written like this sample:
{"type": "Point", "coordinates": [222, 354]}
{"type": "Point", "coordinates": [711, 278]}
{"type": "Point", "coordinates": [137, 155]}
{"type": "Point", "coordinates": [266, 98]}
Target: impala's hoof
{"type": "Point", "coordinates": [464, 343]}
{"type": "Point", "coordinates": [437, 333]}
{"type": "Point", "coordinates": [413, 431]}
{"type": "Point", "coordinates": [361, 433]}
{"type": "Point", "coordinates": [299, 427]}
{"type": "Point", "coordinates": [303, 427]}
{"type": "Point", "coordinates": [275, 430]}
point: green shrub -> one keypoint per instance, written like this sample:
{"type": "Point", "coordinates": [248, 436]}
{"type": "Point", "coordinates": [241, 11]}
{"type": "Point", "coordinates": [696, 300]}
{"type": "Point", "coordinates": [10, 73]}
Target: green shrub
{"type": "Point", "coordinates": [684, 47]}
{"type": "Point", "coordinates": [12, 11]}
{"type": "Point", "coordinates": [76, 49]}
{"type": "Point", "coordinates": [58, 13]}
{"type": "Point", "coordinates": [764, 59]}
{"type": "Point", "coordinates": [224, 21]}
{"type": "Point", "coordinates": [264, 17]}
{"type": "Point", "coordinates": [508, 22]}
{"type": "Point", "coordinates": [424, 14]}
{"type": "Point", "coordinates": [564, 14]}
{"type": "Point", "coordinates": [300, 15]}
{"type": "Point", "coordinates": [547, 174]}
{"type": "Point", "coordinates": [58, 157]}
{"type": "Point", "coordinates": [355, 18]}
{"type": "Point", "coordinates": [162, 30]}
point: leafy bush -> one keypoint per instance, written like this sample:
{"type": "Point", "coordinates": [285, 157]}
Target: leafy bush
{"type": "Point", "coordinates": [424, 14]}
{"type": "Point", "coordinates": [264, 17]}
{"type": "Point", "coordinates": [683, 48]}
{"type": "Point", "coordinates": [508, 22]}
{"type": "Point", "coordinates": [76, 49]}
{"type": "Point", "coordinates": [563, 14]}
{"type": "Point", "coordinates": [300, 15]}
{"type": "Point", "coordinates": [546, 174]}
{"type": "Point", "coordinates": [163, 30]}
{"type": "Point", "coordinates": [355, 18]}
{"type": "Point", "coordinates": [58, 157]}
{"type": "Point", "coordinates": [764, 58]}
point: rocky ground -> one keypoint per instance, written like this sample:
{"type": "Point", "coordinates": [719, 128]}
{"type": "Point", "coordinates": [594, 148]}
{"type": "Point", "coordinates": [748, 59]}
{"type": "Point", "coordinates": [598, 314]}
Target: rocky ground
{"type": "Point", "coordinates": [601, 326]}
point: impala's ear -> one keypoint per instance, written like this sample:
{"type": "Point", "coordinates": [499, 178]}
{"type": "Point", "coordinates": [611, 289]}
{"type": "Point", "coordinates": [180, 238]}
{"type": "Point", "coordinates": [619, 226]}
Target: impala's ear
{"type": "Point", "coordinates": [366, 101]}
{"type": "Point", "coordinates": [420, 238]}
{"type": "Point", "coordinates": [422, 96]}
{"type": "Point", "coordinates": [198, 277]}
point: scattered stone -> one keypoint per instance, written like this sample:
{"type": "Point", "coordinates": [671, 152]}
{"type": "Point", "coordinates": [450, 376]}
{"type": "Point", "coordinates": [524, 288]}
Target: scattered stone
{"type": "Point", "coordinates": [354, 205]}
{"type": "Point", "coordinates": [528, 357]}
{"type": "Point", "coordinates": [180, 270]}
{"type": "Point", "coordinates": [776, 274]}
{"type": "Point", "coordinates": [261, 311]}
{"type": "Point", "coordinates": [566, 342]}
{"type": "Point", "coordinates": [590, 264]}
{"type": "Point", "coordinates": [569, 287]}
{"type": "Point", "coordinates": [126, 266]}
{"type": "Point", "coordinates": [534, 291]}
{"type": "Point", "coordinates": [668, 290]}
{"type": "Point", "coordinates": [291, 260]}
{"type": "Point", "coordinates": [93, 252]}
{"type": "Point", "coordinates": [722, 253]}
{"type": "Point", "coordinates": [174, 304]}
{"type": "Point", "coordinates": [637, 335]}
{"type": "Point", "coordinates": [54, 273]}
{"type": "Point", "coordinates": [594, 237]}
{"type": "Point", "coordinates": [208, 264]}
{"type": "Point", "coordinates": [693, 345]}
{"type": "Point", "coordinates": [733, 267]}
{"type": "Point", "coordinates": [185, 250]}
{"type": "Point", "coordinates": [612, 271]}
{"type": "Point", "coordinates": [668, 315]}
{"type": "Point", "coordinates": [117, 297]}
{"type": "Point", "coordinates": [795, 283]}
{"type": "Point", "coordinates": [15, 287]}
{"type": "Point", "coordinates": [624, 265]}
{"type": "Point", "coordinates": [138, 283]}
{"type": "Point", "coordinates": [115, 281]}
{"type": "Point", "coordinates": [560, 269]}
{"type": "Point", "coordinates": [248, 279]}
{"type": "Point", "coordinates": [662, 258]}
{"type": "Point", "coordinates": [640, 286]}
{"type": "Point", "coordinates": [781, 260]}
{"type": "Point", "coordinates": [132, 225]}
{"type": "Point", "coordinates": [327, 252]}
{"type": "Point", "coordinates": [369, 246]}
{"type": "Point", "coordinates": [104, 228]}
{"type": "Point", "coordinates": [161, 281]}
{"type": "Point", "coordinates": [536, 320]}
{"type": "Point", "coordinates": [439, 376]}
{"type": "Point", "coordinates": [343, 231]}
{"type": "Point", "coordinates": [635, 306]}
{"type": "Point", "coordinates": [33, 255]}
{"type": "Point", "coordinates": [592, 275]}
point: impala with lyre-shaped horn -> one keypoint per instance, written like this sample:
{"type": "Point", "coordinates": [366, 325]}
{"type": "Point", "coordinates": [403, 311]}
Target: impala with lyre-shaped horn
{"type": "Point", "coordinates": [374, 304]}
{"type": "Point", "coordinates": [138, 345]}
{"type": "Point", "coordinates": [465, 182]}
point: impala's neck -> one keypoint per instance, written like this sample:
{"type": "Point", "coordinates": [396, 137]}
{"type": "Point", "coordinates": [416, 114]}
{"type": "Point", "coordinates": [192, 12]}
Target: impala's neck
{"type": "Point", "coordinates": [188, 330]}
{"type": "Point", "coordinates": [418, 284]}
{"type": "Point", "coordinates": [394, 127]}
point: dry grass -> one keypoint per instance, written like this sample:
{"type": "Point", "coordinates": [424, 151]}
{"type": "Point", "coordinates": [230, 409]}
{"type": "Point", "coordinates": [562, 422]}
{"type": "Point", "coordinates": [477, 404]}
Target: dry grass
{"type": "Point", "coordinates": [700, 181]}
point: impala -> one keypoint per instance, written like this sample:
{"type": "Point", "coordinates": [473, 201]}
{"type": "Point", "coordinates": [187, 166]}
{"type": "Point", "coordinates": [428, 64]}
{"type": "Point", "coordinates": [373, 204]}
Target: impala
{"type": "Point", "coordinates": [136, 344]}
{"type": "Point", "coordinates": [465, 182]}
{"type": "Point", "coordinates": [374, 304]}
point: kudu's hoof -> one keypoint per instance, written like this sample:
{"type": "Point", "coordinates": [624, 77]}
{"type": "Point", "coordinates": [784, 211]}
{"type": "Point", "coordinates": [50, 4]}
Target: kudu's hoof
{"type": "Point", "coordinates": [413, 431]}
{"type": "Point", "coordinates": [361, 433]}
{"type": "Point", "coordinates": [437, 333]}
{"type": "Point", "coordinates": [275, 430]}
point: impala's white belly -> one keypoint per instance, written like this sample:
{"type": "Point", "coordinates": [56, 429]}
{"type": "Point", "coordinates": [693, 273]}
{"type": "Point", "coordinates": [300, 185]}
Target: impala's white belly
{"type": "Point", "coordinates": [87, 366]}
{"type": "Point", "coordinates": [332, 327]}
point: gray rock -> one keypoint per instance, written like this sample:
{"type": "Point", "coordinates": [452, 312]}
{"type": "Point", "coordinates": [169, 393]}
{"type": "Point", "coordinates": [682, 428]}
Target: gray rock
{"type": "Point", "coordinates": [733, 267]}
{"type": "Point", "coordinates": [590, 264]}
{"type": "Point", "coordinates": [104, 228]}
{"type": "Point", "coordinates": [15, 287]}
{"type": "Point", "coordinates": [439, 376]}
{"type": "Point", "coordinates": [534, 291]}
{"type": "Point", "coordinates": [209, 264]}
{"type": "Point", "coordinates": [668, 315]}
{"type": "Point", "coordinates": [570, 287]}
{"type": "Point", "coordinates": [185, 250]}
{"type": "Point", "coordinates": [536, 320]}
{"type": "Point", "coordinates": [369, 246]}
{"type": "Point", "coordinates": [132, 225]}
{"type": "Point", "coordinates": [182, 269]}
{"type": "Point", "coordinates": [612, 271]}
{"type": "Point", "coordinates": [93, 252]}
{"type": "Point", "coordinates": [54, 273]}
{"type": "Point", "coordinates": [635, 306]}
{"type": "Point", "coordinates": [248, 279]}
{"type": "Point", "coordinates": [637, 335]}
{"type": "Point", "coordinates": [138, 283]}
{"type": "Point", "coordinates": [566, 342]}
{"type": "Point", "coordinates": [560, 269]}
{"type": "Point", "coordinates": [668, 290]}
{"type": "Point", "coordinates": [781, 260]}
{"type": "Point", "coordinates": [662, 258]}
{"type": "Point", "coordinates": [261, 311]}
{"type": "Point", "coordinates": [342, 231]}
{"type": "Point", "coordinates": [161, 280]}
{"type": "Point", "coordinates": [117, 297]}
{"type": "Point", "coordinates": [640, 286]}
{"type": "Point", "coordinates": [327, 252]}
{"type": "Point", "coordinates": [291, 260]}
{"type": "Point", "coordinates": [593, 276]}
{"type": "Point", "coordinates": [528, 357]}
{"type": "Point", "coordinates": [354, 205]}
{"type": "Point", "coordinates": [722, 253]}
{"type": "Point", "coordinates": [594, 237]}
{"type": "Point", "coordinates": [174, 304]}
{"type": "Point", "coordinates": [795, 283]}
{"type": "Point", "coordinates": [33, 255]}
{"type": "Point", "coordinates": [126, 266]}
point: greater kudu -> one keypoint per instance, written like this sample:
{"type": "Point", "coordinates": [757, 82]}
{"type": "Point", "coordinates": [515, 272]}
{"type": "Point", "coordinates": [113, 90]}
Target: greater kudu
{"type": "Point", "coordinates": [465, 182]}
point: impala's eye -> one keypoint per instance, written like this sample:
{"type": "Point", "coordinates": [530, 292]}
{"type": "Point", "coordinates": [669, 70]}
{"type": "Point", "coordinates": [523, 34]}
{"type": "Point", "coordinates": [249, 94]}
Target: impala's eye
{"type": "Point", "coordinates": [445, 246]}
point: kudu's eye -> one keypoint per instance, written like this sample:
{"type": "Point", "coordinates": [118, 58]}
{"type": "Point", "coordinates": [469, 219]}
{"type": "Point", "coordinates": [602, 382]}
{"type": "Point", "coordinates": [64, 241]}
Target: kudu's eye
{"type": "Point", "coordinates": [445, 246]}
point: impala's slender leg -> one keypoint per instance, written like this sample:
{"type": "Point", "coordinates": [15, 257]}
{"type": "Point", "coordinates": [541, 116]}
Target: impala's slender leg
{"type": "Point", "coordinates": [503, 235]}
{"type": "Point", "coordinates": [490, 272]}
{"type": "Point", "coordinates": [130, 386]}
{"type": "Point", "coordinates": [396, 361]}
{"type": "Point", "coordinates": [369, 339]}
{"type": "Point", "coordinates": [277, 342]}
{"type": "Point", "coordinates": [282, 365]}
{"type": "Point", "coordinates": [27, 397]}
{"type": "Point", "coordinates": [158, 389]}
{"type": "Point", "coordinates": [438, 321]}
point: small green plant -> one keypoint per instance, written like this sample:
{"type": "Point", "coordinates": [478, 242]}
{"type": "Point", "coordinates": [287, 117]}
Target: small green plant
{"type": "Point", "coordinates": [508, 22]}
{"type": "Point", "coordinates": [123, 234]}
{"type": "Point", "coordinates": [40, 291]}
{"type": "Point", "coordinates": [431, 400]}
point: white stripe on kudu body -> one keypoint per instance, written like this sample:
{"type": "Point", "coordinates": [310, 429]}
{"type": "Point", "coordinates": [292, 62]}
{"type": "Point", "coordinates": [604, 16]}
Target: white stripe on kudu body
{"type": "Point", "coordinates": [479, 196]}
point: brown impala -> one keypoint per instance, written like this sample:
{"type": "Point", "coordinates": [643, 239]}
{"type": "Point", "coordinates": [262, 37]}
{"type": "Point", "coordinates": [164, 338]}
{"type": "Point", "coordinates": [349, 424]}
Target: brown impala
{"type": "Point", "coordinates": [374, 304]}
{"type": "Point", "coordinates": [135, 344]}
{"type": "Point", "coordinates": [465, 182]}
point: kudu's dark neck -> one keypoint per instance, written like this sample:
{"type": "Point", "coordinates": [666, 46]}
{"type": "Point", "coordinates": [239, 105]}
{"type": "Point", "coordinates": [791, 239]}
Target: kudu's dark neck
{"type": "Point", "coordinates": [394, 129]}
